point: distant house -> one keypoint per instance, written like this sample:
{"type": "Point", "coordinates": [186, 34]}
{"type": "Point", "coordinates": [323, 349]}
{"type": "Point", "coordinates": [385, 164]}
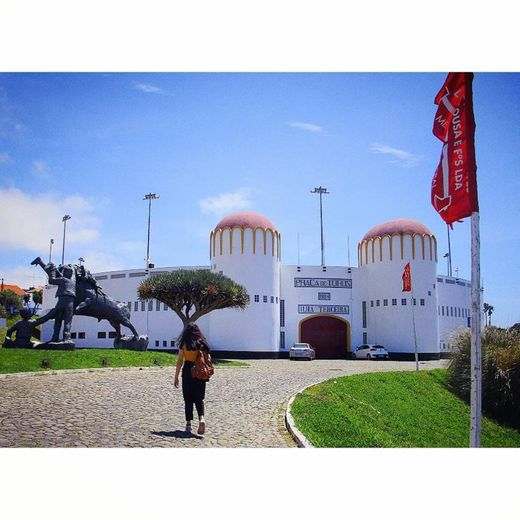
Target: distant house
{"type": "Point", "coordinates": [14, 288]}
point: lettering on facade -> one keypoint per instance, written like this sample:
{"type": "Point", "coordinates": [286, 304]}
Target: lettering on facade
{"type": "Point", "coordinates": [323, 309]}
{"type": "Point", "coordinates": [331, 283]}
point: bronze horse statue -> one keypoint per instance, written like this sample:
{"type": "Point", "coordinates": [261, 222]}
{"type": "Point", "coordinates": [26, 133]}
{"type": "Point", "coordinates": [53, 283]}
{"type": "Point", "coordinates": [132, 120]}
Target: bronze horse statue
{"type": "Point", "coordinates": [90, 300]}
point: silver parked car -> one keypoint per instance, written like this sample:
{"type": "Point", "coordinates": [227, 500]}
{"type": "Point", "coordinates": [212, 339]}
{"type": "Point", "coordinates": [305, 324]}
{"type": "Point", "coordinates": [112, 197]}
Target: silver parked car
{"type": "Point", "coordinates": [302, 351]}
{"type": "Point", "coordinates": [370, 352]}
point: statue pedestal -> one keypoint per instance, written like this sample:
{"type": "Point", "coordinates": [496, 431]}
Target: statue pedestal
{"type": "Point", "coordinates": [131, 343]}
{"type": "Point", "coordinates": [57, 345]}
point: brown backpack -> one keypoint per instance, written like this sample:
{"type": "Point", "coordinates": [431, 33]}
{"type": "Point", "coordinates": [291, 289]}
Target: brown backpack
{"type": "Point", "coordinates": [203, 367]}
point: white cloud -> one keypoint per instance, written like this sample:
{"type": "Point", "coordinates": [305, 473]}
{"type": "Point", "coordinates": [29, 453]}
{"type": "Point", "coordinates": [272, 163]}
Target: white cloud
{"type": "Point", "coordinates": [98, 262]}
{"type": "Point", "coordinates": [29, 221]}
{"type": "Point", "coordinates": [40, 170]}
{"type": "Point", "coordinates": [149, 88]}
{"type": "Point", "coordinates": [24, 276]}
{"type": "Point", "coordinates": [9, 124]}
{"type": "Point", "coordinates": [310, 127]}
{"type": "Point", "coordinates": [5, 158]}
{"type": "Point", "coordinates": [225, 202]}
{"type": "Point", "coordinates": [402, 157]}
{"type": "Point", "coordinates": [131, 246]}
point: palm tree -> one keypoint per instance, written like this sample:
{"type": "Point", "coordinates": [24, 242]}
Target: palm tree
{"type": "Point", "coordinates": [192, 293]}
{"type": "Point", "coordinates": [488, 311]}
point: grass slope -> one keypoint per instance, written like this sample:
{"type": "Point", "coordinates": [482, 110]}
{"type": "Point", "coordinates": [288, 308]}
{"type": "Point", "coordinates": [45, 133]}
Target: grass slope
{"type": "Point", "coordinates": [391, 410]}
{"type": "Point", "coordinates": [28, 360]}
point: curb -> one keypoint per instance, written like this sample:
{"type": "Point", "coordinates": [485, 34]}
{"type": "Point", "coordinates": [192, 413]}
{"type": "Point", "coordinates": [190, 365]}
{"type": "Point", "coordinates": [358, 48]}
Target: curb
{"type": "Point", "coordinates": [78, 371]}
{"type": "Point", "coordinates": [296, 434]}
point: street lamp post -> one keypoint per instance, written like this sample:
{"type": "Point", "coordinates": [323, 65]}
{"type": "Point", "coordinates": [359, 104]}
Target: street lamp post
{"type": "Point", "coordinates": [64, 219]}
{"type": "Point", "coordinates": [149, 197]}
{"type": "Point", "coordinates": [321, 191]}
{"type": "Point", "coordinates": [50, 250]}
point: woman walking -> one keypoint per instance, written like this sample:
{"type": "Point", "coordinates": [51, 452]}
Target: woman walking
{"type": "Point", "coordinates": [193, 390]}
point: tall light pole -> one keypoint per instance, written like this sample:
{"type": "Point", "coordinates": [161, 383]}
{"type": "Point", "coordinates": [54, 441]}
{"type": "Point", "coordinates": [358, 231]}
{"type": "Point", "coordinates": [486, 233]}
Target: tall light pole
{"type": "Point", "coordinates": [321, 191]}
{"type": "Point", "coordinates": [450, 272]}
{"type": "Point", "coordinates": [149, 197]}
{"type": "Point", "coordinates": [50, 250]}
{"type": "Point", "coordinates": [64, 219]}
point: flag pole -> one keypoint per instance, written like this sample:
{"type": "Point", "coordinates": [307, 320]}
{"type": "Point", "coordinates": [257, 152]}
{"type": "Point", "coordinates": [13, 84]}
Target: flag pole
{"type": "Point", "coordinates": [476, 353]}
{"type": "Point", "coordinates": [414, 334]}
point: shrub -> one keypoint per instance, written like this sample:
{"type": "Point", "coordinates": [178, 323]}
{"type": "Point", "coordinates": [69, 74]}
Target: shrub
{"type": "Point", "coordinates": [500, 372]}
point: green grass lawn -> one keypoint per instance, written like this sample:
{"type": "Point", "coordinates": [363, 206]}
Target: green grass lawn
{"type": "Point", "coordinates": [28, 360]}
{"type": "Point", "coordinates": [391, 410]}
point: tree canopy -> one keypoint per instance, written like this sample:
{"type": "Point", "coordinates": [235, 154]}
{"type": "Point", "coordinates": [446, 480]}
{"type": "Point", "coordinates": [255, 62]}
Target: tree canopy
{"type": "Point", "coordinates": [10, 301]}
{"type": "Point", "coordinates": [192, 293]}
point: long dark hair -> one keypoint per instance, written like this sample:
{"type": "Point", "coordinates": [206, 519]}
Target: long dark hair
{"type": "Point", "coordinates": [192, 338]}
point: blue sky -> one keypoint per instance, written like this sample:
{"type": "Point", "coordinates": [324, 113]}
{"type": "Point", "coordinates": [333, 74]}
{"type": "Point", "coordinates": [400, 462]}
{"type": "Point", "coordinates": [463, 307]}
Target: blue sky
{"type": "Point", "coordinates": [91, 145]}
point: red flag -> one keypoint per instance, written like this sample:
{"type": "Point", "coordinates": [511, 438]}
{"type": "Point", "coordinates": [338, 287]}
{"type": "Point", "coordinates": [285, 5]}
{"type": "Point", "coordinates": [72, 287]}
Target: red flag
{"type": "Point", "coordinates": [407, 278]}
{"type": "Point", "coordinates": [454, 185]}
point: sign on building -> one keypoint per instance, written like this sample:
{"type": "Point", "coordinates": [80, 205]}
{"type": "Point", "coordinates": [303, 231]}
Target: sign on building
{"type": "Point", "coordinates": [331, 283]}
{"type": "Point", "coordinates": [323, 309]}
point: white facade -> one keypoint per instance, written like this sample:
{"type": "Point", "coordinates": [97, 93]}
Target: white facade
{"type": "Point", "coordinates": [339, 306]}
{"type": "Point", "coordinates": [453, 310]}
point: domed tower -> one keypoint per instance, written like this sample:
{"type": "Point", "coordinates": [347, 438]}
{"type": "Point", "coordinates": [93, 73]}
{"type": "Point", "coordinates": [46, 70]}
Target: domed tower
{"type": "Point", "coordinates": [383, 254]}
{"type": "Point", "coordinates": [245, 246]}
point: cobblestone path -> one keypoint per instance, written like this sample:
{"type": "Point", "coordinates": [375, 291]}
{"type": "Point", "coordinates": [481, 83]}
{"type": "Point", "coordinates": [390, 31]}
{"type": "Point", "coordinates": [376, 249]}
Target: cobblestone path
{"type": "Point", "coordinates": [245, 407]}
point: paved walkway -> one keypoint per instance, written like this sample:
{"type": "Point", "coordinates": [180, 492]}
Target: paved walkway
{"type": "Point", "coordinates": [245, 407]}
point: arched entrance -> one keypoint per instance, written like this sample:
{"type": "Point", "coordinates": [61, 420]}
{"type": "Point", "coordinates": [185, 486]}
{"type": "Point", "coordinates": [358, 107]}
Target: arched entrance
{"type": "Point", "coordinates": [328, 335]}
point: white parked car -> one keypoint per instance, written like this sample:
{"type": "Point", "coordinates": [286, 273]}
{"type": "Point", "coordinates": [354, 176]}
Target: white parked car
{"type": "Point", "coordinates": [370, 352]}
{"type": "Point", "coordinates": [302, 351]}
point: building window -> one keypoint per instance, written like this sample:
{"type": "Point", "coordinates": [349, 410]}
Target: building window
{"type": "Point", "coordinates": [164, 343]}
{"type": "Point", "coordinates": [371, 303]}
{"type": "Point", "coordinates": [378, 302]}
{"type": "Point", "coordinates": [394, 301]}
{"type": "Point", "coordinates": [442, 310]}
{"type": "Point", "coordinates": [324, 296]}
{"type": "Point", "coordinates": [72, 335]}
{"type": "Point", "coordinates": [112, 334]}
{"type": "Point", "coordinates": [385, 303]}
{"type": "Point", "coordinates": [81, 335]}
{"type": "Point", "coordinates": [136, 306]}
{"type": "Point", "coordinates": [101, 335]}
{"type": "Point", "coordinates": [265, 299]}
{"type": "Point", "coordinates": [157, 305]}
{"type": "Point", "coordinates": [257, 298]}
{"type": "Point", "coordinates": [282, 340]}
{"type": "Point", "coordinates": [143, 306]}
{"type": "Point", "coordinates": [172, 343]}
{"type": "Point", "coordinates": [156, 342]}
{"type": "Point", "coordinates": [365, 337]}
{"type": "Point", "coordinates": [422, 302]}
{"type": "Point", "coordinates": [414, 301]}
{"type": "Point", "coordinates": [429, 293]}
{"type": "Point", "coordinates": [403, 301]}
{"type": "Point", "coordinates": [364, 312]}
{"type": "Point", "coordinates": [165, 307]}
{"type": "Point", "coordinates": [277, 299]}
{"type": "Point", "coordinates": [282, 313]}
{"type": "Point", "coordinates": [129, 305]}
{"type": "Point", "coordinates": [451, 312]}
{"type": "Point", "coordinates": [150, 305]}
{"type": "Point", "coordinates": [272, 299]}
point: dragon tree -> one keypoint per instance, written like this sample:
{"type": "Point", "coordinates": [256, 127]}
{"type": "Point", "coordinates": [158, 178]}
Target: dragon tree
{"type": "Point", "coordinates": [192, 293]}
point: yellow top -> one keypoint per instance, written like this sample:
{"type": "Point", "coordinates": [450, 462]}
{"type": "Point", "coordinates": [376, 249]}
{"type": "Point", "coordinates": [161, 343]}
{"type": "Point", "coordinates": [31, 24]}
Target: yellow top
{"type": "Point", "coordinates": [190, 355]}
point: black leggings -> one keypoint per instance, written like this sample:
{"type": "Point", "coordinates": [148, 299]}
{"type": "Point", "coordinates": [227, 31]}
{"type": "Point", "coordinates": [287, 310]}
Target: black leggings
{"type": "Point", "coordinates": [193, 391]}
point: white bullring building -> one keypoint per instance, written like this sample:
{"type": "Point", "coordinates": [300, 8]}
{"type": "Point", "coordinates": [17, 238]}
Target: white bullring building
{"type": "Point", "coordinates": [334, 308]}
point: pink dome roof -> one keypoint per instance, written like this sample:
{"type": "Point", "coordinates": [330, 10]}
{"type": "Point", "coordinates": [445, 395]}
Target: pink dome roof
{"type": "Point", "coordinates": [398, 226]}
{"type": "Point", "coordinates": [245, 219]}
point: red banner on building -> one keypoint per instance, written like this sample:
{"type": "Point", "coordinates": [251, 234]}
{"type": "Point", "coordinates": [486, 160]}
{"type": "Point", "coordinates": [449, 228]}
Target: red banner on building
{"type": "Point", "coordinates": [454, 185]}
{"type": "Point", "coordinates": [407, 278]}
